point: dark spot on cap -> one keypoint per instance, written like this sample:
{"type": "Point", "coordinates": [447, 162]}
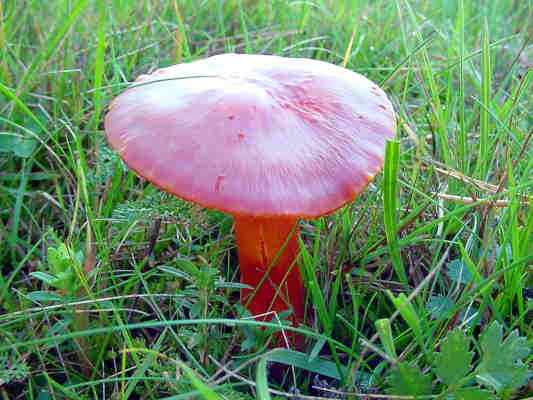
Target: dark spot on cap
{"type": "Point", "coordinates": [231, 117]}
{"type": "Point", "coordinates": [375, 91]}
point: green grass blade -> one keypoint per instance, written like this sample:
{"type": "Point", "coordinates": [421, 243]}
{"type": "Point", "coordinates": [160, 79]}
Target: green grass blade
{"type": "Point", "coordinates": [317, 299]}
{"type": "Point", "coordinates": [383, 327]}
{"type": "Point", "coordinates": [183, 50]}
{"type": "Point", "coordinates": [297, 359]}
{"type": "Point", "coordinates": [462, 138]}
{"type": "Point", "coordinates": [17, 209]}
{"type": "Point", "coordinates": [261, 380]}
{"type": "Point", "coordinates": [99, 63]}
{"type": "Point", "coordinates": [205, 391]}
{"type": "Point", "coordinates": [484, 157]}
{"type": "Point", "coordinates": [244, 27]}
{"type": "Point", "coordinates": [390, 206]}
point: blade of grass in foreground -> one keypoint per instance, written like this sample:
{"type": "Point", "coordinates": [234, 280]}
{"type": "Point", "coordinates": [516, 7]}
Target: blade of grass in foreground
{"type": "Point", "coordinates": [4, 68]}
{"type": "Point", "coordinates": [206, 392]}
{"type": "Point", "coordinates": [17, 210]}
{"type": "Point", "coordinates": [261, 380]}
{"type": "Point", "coordinates": [242, 16]}
{"type": "Point", "coordinates": [484, 158]}
{"type": "Point", "coordinates": [433, 90]}
{"type": "Point", "coordinates": [462, 134]}
{"type": "Point", "coordinates": [182, 43]}
{"type": "Point", "coordinates": [308, 269]}
{"type": "Point", "coordinates": [390, 205]}
{"type": "Point", "coordinates": [99, 62]}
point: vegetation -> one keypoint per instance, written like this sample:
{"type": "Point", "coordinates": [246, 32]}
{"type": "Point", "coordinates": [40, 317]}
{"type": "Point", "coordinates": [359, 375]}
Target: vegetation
{"type": "Point", "coordinates": [421, 288]}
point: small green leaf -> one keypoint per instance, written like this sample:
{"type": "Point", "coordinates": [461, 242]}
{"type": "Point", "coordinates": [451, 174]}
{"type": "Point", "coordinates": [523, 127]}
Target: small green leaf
{"type": "Point", "coordinates": [502, 367]}
{"type": "Point", "coordinates": [472, 394]}
{"type": "Point", "coordinates": [13, 368]}
{"type": "Point", "coordinates": [43, 296]}
{"type": "Point", "coordinates": [453, 362]}
{"type": "Point", "coordinates": [408, 313]}
{"type": "Point", "coordinates": [44, 395]}
{"type": "Point", "coordinates": [66, 281]}
{"type": "Point", "coordinates": [297, 359]}
{"type": "Point", "coordinates": [176, 272]}
{"type": "Point", "coordinates": [59, 258]}
{"type": "Point", "coordinates": [250, 339]}
{"type": "Point", "coordinates": [18, 145]}
{"type": "Point", "coordinates": [64, 266]}
{"type": "Point", "coordinates": [261, 380]}
{"type": "Point", "coordinates": [46, 278]}
{"type": "Point", "coordinates": [458, 272]}
{"type": "Point", "coordinates": [189, 267]}
{"type": "Point", "coordinates": [196, 309]}
{"type": "Point", "coordinates": [385, 335]}
{"type": "Point", "coordinates": [406, 380]}
{"type": "Point", "coordinates": [439, 306]}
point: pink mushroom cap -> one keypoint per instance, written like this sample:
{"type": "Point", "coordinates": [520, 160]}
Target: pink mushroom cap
{"type": "Point", "coordinates": [254, 135]}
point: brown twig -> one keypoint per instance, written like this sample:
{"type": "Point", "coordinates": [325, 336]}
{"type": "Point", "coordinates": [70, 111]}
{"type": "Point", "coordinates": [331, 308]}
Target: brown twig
{"type": "Point", "coordinates": [471, 200]}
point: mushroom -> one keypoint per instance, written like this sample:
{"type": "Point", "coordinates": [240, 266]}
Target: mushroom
{"type": "Point", "coordinates": [267, 139]}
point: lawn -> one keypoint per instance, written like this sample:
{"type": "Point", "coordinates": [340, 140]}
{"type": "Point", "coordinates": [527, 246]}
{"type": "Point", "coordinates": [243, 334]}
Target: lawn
{"type": "Point", "coordinates": [420, 288]}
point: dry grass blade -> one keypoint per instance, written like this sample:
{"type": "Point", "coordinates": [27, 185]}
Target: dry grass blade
{"type": "Point", "coordinates": [447, 171]}
{"type": "Point", "coordinates": [471, 200]}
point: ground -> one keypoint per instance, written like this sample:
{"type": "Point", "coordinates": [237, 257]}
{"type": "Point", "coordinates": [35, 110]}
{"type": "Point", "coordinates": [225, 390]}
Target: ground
{"type": "Point", "coordinates": [422, 286]}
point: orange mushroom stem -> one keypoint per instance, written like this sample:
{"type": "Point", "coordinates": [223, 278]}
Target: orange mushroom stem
{"type": "Point", "coordinates": [268, 251]}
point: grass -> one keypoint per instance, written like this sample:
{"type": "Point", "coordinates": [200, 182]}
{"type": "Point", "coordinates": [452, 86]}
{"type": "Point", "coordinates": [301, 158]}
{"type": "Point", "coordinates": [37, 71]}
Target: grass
{"type": "Point", "coordinates": [111, 289]}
